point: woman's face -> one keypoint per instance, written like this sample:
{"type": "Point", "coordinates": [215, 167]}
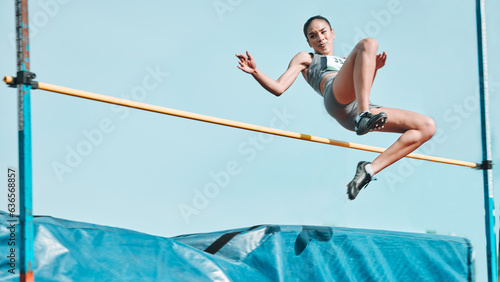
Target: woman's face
{"type": "Point", "coordinates": [320, 37]}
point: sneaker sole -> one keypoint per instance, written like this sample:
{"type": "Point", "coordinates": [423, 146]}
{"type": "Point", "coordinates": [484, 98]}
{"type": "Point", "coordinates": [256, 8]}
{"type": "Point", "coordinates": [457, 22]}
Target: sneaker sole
{"type": "Point", "coordinates": [378, 124]}
{"type": "Point", "coordinates": [350, 193]}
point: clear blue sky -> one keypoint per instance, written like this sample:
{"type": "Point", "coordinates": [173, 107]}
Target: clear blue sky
{"type": "Point", "coordinates": [126, 168]}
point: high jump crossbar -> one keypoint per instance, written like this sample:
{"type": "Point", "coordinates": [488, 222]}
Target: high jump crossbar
{"type": "Point", "coordinates": [230, 123]}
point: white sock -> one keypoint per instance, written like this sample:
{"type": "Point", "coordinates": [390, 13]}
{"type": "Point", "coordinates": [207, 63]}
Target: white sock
{"type": "Point", "coordinates": [369, 170]}
{"type": "Point", "coordinates": [359, 116]}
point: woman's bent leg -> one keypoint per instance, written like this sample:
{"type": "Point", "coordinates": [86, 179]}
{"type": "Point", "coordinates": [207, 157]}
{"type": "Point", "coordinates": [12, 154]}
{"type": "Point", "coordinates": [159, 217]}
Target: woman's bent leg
{"type": "Point", "coordinates": [416, 129]}
{"type": "Point", "coordinates": [355, 78]}
{"type": "Point", "coordinates": [354, 82]}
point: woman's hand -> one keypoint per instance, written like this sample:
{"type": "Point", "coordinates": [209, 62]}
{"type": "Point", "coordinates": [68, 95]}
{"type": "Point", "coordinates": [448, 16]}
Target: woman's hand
{"type": "Point", "coordinates": [380, 61]}
{"type": "Point", "coordinates": [247, 63]}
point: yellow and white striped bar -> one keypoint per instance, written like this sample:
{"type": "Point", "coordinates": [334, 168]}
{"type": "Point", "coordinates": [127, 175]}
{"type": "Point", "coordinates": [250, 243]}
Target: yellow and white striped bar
{"type": "Point", "coordinates": [236, 124]}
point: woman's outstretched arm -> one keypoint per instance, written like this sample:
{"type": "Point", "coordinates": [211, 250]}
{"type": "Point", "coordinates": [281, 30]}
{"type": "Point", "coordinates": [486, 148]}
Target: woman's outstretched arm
{"type": "Point", "coordinates": [300, 62]}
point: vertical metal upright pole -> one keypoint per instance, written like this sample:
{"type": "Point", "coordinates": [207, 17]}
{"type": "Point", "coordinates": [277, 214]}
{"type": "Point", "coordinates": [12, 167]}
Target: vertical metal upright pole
{"type": "Point", "coordinates": [24, 140]}
{"type": "Point", "coordinates": [486, 142]}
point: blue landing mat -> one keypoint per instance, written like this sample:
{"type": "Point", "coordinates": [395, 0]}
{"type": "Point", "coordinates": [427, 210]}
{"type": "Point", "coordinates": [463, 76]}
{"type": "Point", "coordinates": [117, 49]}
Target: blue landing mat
{"type": "Point", "coordinates": [75, 251]}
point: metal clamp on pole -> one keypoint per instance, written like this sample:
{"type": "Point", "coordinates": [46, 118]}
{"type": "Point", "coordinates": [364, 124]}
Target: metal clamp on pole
{"type": "Point", "coordinates": [23, 77]}
{"type": "Point", "coordinates": [488, 164]}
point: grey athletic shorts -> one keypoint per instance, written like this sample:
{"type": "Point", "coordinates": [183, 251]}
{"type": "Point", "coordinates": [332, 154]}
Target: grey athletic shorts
{"type": "Point", "coordinates": [344, 114]}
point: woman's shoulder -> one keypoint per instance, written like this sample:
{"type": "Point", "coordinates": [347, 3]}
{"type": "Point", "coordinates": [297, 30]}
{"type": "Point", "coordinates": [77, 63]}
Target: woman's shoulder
{"type": "Point", "coordinates": [303, 57]}
{"type": "Point", "coordinates": [304, 54]}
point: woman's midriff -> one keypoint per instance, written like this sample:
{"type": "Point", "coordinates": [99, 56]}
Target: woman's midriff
{"type": "Point", "coordinates": [323, 81]}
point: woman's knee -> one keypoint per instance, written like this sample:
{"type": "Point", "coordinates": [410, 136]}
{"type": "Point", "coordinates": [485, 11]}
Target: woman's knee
{"type": "Point", "coordinates": [368, 44]}
{"type": "Point", "coordinates": [427, 127]}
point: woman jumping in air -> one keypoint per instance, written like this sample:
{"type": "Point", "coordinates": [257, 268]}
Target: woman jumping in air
{"type": "Point", "coordinates": [345, 85]}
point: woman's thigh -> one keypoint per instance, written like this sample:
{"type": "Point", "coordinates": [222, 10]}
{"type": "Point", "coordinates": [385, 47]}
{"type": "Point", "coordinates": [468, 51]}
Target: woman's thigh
{"type": "Point", "coordinates": [399, 121]}
{"type": "Point", "coordinates": [343, 85]}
